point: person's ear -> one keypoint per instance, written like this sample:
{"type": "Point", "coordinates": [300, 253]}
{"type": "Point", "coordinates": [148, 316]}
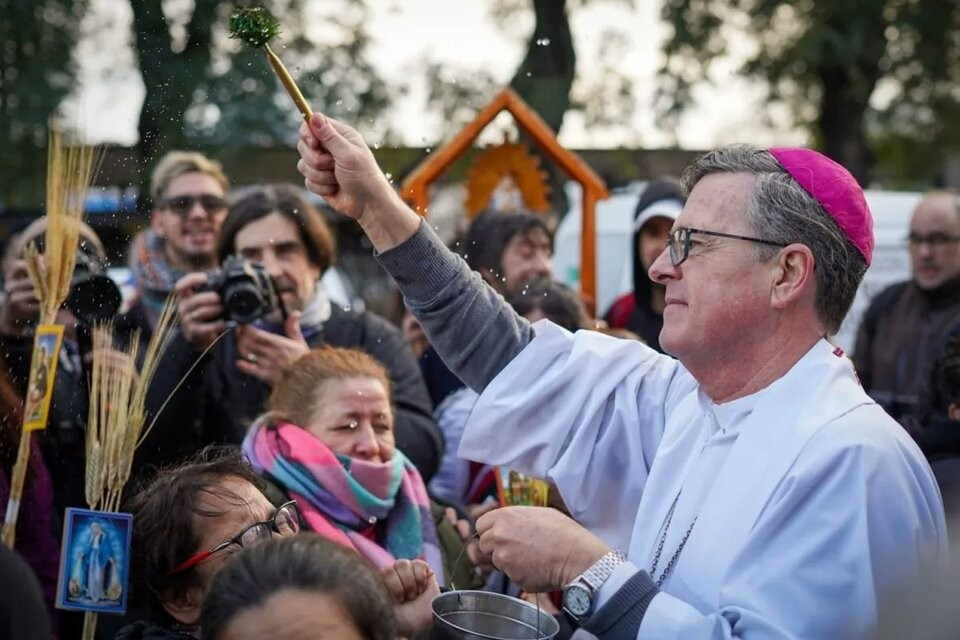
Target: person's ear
{"type": "Point", "coordinates": [793, 276]}
{"type": "Point", "coordinates": [184, 607]}
{"type": "Point", "coordinates": [953, 412]}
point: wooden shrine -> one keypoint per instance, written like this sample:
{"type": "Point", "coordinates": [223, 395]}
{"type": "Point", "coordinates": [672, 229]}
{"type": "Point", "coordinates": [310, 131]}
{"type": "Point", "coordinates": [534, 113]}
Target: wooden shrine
{"type": "Point", "coordinates": [415, 188]}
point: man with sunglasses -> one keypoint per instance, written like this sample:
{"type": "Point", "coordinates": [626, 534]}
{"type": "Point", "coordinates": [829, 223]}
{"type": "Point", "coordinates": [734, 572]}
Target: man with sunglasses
{"type": "Point", "coordinates": [188, 191]}
{"type": "Point", "coordinates": [906, 326]}
{"type": "Point", "coordinates": [755, 488]}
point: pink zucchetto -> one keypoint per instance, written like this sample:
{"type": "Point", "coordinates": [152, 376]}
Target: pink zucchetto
{"type": "Point", "coordinates": [835, 189]}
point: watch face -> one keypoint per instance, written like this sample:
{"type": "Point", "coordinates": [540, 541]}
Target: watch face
{"type": "Point", "coordinates": [576, 600]}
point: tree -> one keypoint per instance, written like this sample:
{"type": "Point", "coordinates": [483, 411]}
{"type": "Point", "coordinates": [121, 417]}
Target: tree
{"type": "Point", "coordinates": [202, 88]}
{"type": "Point", "coordinates": [825, 59]}
{"type": "Point", "coordinates": [546, 77]}
{"type": "Point", "coordinates": [36, 40]}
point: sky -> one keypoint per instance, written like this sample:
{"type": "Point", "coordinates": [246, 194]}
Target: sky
{"type": "Point", "coordinates": [405, 32]}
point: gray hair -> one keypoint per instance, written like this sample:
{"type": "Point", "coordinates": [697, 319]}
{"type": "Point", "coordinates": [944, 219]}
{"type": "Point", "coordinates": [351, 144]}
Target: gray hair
{"type": "Point", "coordinates": [782, 211]}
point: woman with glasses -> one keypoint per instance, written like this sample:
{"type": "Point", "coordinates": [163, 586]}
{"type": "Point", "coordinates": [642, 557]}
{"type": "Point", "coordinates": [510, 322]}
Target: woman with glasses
{"type": "Point", "coordinates": [186, 523]}
{"type": "Point", "coordinates": [327, 442]}
{"type": "Point", "coordinates": [189, 521]}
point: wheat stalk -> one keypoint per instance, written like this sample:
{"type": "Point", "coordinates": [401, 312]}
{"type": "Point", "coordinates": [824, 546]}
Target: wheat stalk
{"type": "Point", "coordinates": [118, 407]}
{"type": "Point", "coordinates": [69, 174]}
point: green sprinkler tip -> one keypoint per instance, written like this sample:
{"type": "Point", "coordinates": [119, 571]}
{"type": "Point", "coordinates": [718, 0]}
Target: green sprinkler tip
{"type": "Point", "coordinates": [254, 26]}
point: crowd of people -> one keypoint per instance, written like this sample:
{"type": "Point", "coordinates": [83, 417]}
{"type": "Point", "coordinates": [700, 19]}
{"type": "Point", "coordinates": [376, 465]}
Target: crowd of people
{"type": "Point", "coordinates": [718, 468]}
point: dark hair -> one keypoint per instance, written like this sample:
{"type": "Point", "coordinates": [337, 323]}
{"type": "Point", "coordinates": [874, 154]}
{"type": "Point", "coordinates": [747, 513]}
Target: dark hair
{"type": "Point", "coordinates": [289, 202]}
{"type": "Point", "coordinates": [559, 303]}
{"type": "Point", "coordinates": [491, 231]}
{"type": "Point", "coordinates": [304, 562]}
{"type": "Point", "coordinates": [163, 517]}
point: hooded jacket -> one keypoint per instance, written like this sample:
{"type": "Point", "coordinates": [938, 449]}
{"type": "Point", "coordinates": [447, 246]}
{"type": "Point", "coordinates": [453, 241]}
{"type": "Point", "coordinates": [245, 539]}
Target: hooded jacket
{"type": "Point", "coordinates": [661, 198]}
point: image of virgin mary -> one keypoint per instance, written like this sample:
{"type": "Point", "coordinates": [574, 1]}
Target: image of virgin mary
{"type": "Point", "coordinates": [94, 575]}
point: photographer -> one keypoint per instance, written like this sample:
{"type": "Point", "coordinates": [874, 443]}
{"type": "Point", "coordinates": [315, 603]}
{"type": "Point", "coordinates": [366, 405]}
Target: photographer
{"type": "Point", "coordinates": [277, 228]}
{"type": "Point", "coordinates": [93, 296]}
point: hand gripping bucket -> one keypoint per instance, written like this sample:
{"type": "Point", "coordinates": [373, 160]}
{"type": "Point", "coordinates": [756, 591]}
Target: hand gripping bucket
{"type": "Point", "coordinates": [480, 615]}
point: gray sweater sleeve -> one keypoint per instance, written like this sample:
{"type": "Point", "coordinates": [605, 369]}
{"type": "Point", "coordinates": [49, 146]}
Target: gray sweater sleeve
{"type": "Point", "coordinates": [473, 329]}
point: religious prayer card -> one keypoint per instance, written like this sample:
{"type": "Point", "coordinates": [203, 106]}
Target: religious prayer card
{"type": "Point", "coordinates": [95, 561]}
{"type": "Point", "coordinates": [517, 489]}
{"type": "Point", "coordinates": [43, 370]}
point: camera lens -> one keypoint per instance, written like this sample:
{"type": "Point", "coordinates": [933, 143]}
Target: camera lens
{"type": "Point", "coordinates": [242, 302]}
{"type": "Point", "coordinates": [93, 298]}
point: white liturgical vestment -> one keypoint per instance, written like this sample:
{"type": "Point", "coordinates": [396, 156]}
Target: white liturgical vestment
{"type": "Point", "coordinates": [808, 508]}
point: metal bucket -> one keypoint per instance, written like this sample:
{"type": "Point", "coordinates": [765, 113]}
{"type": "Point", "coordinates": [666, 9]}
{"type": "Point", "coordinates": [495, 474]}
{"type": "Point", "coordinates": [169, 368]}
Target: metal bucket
{"type": "Point", "coordinates": [481, 615]}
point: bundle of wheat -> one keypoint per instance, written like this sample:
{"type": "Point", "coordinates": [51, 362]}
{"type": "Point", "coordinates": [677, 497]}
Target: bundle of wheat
{"type": "Point", "coordinates": [117, 414]}
{"type": "Point", "coordinates": [70, 171]}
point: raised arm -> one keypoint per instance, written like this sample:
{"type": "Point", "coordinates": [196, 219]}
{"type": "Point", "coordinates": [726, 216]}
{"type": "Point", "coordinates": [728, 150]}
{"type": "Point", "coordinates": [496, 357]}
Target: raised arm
{"type": "Point", "coordinates": [472, 328]}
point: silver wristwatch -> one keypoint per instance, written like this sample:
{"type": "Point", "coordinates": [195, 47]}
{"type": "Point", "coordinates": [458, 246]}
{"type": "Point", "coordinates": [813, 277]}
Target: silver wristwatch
{"type": "Point", "coordinates": [580, 595]}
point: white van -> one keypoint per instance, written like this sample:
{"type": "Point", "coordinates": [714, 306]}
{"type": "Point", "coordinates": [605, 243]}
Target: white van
{"type": "Point", "coordinates": [891, 216]}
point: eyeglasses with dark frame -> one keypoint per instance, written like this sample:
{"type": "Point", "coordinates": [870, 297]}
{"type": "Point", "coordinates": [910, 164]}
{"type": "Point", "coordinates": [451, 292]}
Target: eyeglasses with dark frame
{"type": "Point", "coordinates": [679, 242]}
{"type": "Point", "coordinates": [285, 521]}
{"type": "Point", "coordinates": [181, 205]}
{"type": "Point", "coordinates": [934, 240]}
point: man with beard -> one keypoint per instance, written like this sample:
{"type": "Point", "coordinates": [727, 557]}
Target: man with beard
{"type": "Point", "coordinates": [907, 324]}
{"type": "Point", "coordinates": [188, 191]}
{"type": "Point", "coordinates": [219, 398]}
{"type": "Point", "coordinates": [510, 250]}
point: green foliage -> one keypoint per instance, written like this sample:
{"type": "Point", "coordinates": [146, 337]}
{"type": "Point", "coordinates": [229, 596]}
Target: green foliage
{"type": "Point", "coordinates": [253, 26]}
{"type": "Point", "coordinates": [825, 59]}
{"type": "Point", "coordinates": [203, 92]}
{"type": "Point", "coordinates": [36, 74]}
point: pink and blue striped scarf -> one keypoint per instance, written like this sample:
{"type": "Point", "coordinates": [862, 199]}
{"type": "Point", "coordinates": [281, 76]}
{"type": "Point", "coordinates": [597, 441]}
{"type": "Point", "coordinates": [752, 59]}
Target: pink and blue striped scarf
{"type": "Point", "coordinates": [341, 496]}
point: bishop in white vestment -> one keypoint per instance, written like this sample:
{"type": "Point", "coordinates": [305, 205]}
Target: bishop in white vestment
{"type": "Point", "coordinates": [756, 490]}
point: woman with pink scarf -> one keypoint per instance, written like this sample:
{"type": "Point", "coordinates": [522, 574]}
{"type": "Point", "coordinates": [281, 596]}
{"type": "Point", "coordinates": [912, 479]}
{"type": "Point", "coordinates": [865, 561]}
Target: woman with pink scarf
{"type": "Point", "coordinates": [327, 442]}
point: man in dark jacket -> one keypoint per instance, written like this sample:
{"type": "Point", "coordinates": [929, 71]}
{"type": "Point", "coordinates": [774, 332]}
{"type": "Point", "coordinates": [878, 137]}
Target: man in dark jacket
{"type": "Point", "coordinates": [220, 397]}
{"type": "Point", "coordinates": [906, 325]}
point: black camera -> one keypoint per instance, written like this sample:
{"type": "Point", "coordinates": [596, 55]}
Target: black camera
{"type": "Point", "coordinates": [94, 296]}
{"type": "Point", "coordinates": [246, 290]}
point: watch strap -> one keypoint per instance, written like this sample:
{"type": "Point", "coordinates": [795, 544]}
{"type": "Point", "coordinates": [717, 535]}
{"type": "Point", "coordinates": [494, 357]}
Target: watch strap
{"type": "Point", "coordinates": [602, 569]}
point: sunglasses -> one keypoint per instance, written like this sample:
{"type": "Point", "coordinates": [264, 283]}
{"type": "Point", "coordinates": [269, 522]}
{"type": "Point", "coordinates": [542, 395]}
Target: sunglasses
{"type": "Point", "coordinates": [182, 205]}
{"type": "Point", "coordinates": [285, 521]}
